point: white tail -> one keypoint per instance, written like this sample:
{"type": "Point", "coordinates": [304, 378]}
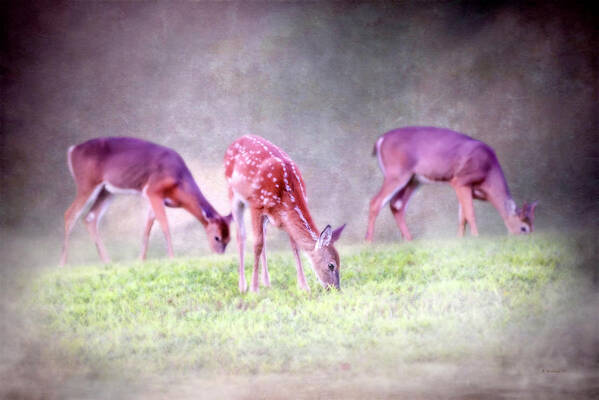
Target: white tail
{"type": "Point", "coordinates": [264, 179]}
{"type": "Point", "coordinates": [413, 155]}
{"type": "Point", "coordinates": [105, 166]}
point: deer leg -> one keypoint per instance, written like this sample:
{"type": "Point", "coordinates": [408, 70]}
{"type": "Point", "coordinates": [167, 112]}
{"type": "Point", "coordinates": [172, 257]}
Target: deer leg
{"type": "Point", "coordinates": [470, 217]}
{"type": "Point", "coordinates": [301, 277]}
{"type": "Point", "coordinates": [398, 205]}
{"type": "Point", "coordinates": [257, 225]}
{"type": "Point", "coordinates": [146, 234]}
{"type": "Point", "coordinates": [157, 203]}
{"type": "Point", "coordinates": [461, 220]}
{"type": "Point", "coordinates": [391, 185]}
{"type": "Point", "coordinates": [466, 202]}
{"type": "Point", "coordinates": [265, 274]}
{"type": "Point", "coordinates": [237, 210]}
{"type": "Point", "coordinates": [92, 220]}
{"type": "Point", "coordinates": [83, 199]}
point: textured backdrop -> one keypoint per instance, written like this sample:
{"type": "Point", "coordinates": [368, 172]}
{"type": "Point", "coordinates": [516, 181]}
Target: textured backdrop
{"type": "Point", "coordinates": [321, 80]}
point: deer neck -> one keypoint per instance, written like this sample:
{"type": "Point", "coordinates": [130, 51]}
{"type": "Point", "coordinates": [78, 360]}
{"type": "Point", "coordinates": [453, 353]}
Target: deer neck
{"type": "Point", "coordinates": [499, 195]}
{"type": "Point", "coordinates": [197, 204]}
{"type": "Point", "coordinates": [300, 226]}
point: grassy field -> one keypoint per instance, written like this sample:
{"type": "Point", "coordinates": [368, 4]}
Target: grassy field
{"type": "Point", "coordinates": [451, 301]}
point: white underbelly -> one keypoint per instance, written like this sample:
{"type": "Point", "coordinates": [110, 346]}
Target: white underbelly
{"type": "Point", "coordinates": [423, 179]}
{"type": "Point", "coordinates": [117, 190]}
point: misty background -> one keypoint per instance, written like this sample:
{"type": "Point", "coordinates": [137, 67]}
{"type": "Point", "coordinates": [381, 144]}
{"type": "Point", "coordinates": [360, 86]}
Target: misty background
{"type": "Point", "coordinates": [321, 80]}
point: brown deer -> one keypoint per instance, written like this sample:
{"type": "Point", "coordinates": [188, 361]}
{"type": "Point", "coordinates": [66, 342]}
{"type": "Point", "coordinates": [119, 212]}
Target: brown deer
{"type": "Point", "coordinates": [413, 155]}
{"type": "Point", "coordinates": [264, 179]}
{"type": "Point", "coordinates": [106, 166]}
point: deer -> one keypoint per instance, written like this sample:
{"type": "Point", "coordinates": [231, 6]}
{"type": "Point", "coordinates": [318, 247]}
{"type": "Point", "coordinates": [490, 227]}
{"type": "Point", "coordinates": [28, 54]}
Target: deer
{"type": "Point", "coordinates": [264, 179]}
{"type": "Point", "coordinates": [108, 166]}
{"type": "Point", "coordinates": [414, 155]}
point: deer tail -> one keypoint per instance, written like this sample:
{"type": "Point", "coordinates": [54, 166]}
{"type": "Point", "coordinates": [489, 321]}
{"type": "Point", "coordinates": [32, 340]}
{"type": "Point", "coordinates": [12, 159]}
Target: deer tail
{"type": "Point", "coordinates": [376, 151]}
{"type": "Point", "coordinates": [70, 160]}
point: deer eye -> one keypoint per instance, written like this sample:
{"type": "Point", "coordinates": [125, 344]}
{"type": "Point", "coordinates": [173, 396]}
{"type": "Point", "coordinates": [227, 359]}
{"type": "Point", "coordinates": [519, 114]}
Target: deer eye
{"type": "Point", "coordinates": [331, 266]}
{"type": "Point", "coordinates": [217, 238]}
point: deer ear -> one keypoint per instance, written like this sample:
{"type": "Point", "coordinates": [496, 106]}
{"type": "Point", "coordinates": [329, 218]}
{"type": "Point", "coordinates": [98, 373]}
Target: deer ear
{"type": "Point", "coordinates": [228, 218]}
{"type": "Point", "coordinates": [522, 211]}
{"type": "Point", "coordinates": [337, 233]}
{"type": "Point", "coordinates": [530, 211]}
{"type": "Point", "coordinates": [325, 238]}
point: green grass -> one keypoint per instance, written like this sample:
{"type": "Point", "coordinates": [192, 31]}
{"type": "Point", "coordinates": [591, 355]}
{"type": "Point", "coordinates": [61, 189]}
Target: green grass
{"type": "Point", "coordinates": [442, 300]}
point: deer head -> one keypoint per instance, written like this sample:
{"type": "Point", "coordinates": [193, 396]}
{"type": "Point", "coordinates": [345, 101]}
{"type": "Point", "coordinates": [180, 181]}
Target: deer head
{"type": "Point", "coordinates": [325, 258]}
{"type": "Point", "coordinates": [521, 220]}
{"type": "Point", "coordinates": [217, 231]}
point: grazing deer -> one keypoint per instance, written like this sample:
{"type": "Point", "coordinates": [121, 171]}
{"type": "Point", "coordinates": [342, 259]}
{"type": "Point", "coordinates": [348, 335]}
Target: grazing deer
{"type": "Point", "coordinates": [264, 179]}
{"type": "Point", "coordinates": [413, 155]}
{"type": "Point", "coordinates": [118, 165]}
